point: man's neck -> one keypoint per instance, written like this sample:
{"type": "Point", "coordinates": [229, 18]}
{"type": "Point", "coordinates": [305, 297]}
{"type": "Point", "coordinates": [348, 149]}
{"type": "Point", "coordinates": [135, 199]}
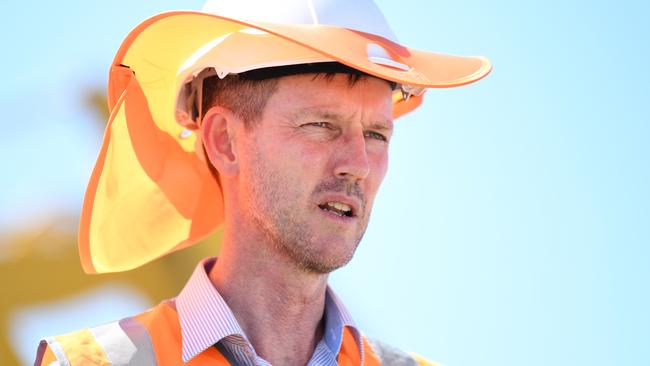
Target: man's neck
{"type": "Point", "coordinates": [278, 305]}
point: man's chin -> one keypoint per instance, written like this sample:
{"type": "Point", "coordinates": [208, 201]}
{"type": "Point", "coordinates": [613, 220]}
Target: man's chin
{"type": "Point", "coordinates": [323, 256]}
{"type": "Point", "coordinates": [313, 265]}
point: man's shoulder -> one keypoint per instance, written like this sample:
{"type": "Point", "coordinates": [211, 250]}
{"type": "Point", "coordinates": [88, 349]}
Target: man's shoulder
{"type": "Point", "coordinates": [388, 355]}
{"type": "Point", "coordinates": [122, 342]}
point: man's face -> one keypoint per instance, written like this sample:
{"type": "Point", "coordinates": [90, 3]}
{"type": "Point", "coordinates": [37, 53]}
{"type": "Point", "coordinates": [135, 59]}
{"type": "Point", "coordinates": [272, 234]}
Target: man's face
{"type": "Point", "coordinates": [311, 166]}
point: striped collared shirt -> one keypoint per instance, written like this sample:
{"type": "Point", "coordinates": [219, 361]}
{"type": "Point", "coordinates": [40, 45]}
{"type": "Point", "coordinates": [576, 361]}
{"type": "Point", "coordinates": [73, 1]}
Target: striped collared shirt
{"type": "Point", "coordinates": [206, 321]}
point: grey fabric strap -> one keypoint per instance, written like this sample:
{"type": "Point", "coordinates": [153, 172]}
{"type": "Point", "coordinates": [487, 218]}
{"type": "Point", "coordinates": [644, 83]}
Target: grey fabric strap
{"type": "Point", "coordinates": [228, 355]}
{"type": "Point", "coordinates": [389, 355]}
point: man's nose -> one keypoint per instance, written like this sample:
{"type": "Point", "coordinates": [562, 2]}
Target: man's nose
{"type": "Point", "coordinates": [352, 158]}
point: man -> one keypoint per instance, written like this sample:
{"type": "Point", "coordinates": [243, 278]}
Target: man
{"type": "Point", "coordinates": [274, 120]}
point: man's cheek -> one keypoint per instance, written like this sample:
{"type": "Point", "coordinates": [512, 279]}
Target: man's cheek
{"type": "Point", "coordinates": [379, 173]}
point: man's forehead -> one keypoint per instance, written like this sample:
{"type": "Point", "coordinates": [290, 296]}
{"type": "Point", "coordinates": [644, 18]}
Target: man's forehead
{"type": "Point", "coordinates": [334, 92]}
{"type": "Point", "coordinates": [338, 79]}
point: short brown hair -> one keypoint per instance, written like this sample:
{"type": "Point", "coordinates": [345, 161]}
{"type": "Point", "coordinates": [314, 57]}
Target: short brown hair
{"type": "Point", "coordinates": [244, 97]}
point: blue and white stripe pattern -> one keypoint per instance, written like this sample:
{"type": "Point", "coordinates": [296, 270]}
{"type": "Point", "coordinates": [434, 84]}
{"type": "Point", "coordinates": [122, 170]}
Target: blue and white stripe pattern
{"type": "Point", "coordinates": [206, 321]}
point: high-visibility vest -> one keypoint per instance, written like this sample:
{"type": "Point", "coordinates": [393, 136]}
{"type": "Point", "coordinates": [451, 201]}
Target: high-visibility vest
{"type": "Point", "coordinates": [153, 338]}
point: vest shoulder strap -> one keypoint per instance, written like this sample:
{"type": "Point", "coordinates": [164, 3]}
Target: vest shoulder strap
{"type": "Point", "coordinates": [151, 338]}
{"type": "Point", "coordinates": [391, 356]}
{"type": "Point", "coordinates": [69, 349]}
{"type": "Point", "coordinates": [119, 343]}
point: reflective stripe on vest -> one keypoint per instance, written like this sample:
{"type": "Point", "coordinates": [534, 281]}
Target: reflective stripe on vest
{"type": "Point", "coordinates": [75, 348]}
{"type": "Point", "coordinates": [389, 355]}
{"type": "Point", "coordinates": [125, 343]}
{"type": "Point", "coordinates": [153, 338]}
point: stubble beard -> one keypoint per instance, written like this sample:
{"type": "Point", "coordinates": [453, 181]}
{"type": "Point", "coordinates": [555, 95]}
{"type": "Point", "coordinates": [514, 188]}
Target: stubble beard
{"type": "Point", "coordinates": [282, 227]}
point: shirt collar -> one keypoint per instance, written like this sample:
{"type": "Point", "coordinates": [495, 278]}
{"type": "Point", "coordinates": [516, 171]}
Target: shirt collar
{"type": "Point", "coordinates": [336, 318]}
{"type": "Point", "coordinates": [205, 318]}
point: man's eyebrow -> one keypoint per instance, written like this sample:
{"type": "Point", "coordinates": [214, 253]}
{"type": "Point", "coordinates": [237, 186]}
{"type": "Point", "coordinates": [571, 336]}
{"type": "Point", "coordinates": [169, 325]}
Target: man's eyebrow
{"type": "Point", "coordinates": [380, 125]}
{"type": "Point", "coordinates": [319, 113]}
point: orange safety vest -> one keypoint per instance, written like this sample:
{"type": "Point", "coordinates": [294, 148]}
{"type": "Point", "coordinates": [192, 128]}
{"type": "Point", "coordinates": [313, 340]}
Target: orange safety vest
{"type": "Point", "coordinates": [153, 338]}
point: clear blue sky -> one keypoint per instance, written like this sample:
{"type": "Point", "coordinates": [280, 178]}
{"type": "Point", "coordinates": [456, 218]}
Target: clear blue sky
{"type": "Point", "coordinates": [513, 227]}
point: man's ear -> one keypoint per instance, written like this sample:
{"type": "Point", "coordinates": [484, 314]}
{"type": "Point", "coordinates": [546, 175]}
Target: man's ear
{"type": "Point", "coordinates": [218, 134]}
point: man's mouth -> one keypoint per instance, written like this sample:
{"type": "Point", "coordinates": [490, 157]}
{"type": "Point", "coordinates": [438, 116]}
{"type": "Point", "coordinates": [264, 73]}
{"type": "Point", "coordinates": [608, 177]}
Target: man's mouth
{"type": "Point", "coordinates": [337, 208]}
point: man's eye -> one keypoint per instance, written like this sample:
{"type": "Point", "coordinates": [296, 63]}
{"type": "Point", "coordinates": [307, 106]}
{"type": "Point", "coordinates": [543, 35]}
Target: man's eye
{"type": "Point", "coordinates": [376, 135]}
{"type": "Point", "coordinates": [319, 124]}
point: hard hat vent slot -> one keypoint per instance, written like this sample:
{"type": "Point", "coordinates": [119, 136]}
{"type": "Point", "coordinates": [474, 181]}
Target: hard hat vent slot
{"type": "Point", "coordinates": [380, 56]}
